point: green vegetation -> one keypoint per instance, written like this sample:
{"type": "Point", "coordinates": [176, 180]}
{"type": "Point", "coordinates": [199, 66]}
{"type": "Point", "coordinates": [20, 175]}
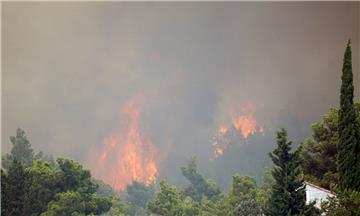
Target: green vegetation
{"type": "Point", "coordinates": [345, 203]}
{"type": "Point", "coordinates": [319, 153]}
{"type": "Point", "coordinates": [21, 150]}
{"type": "Point", "coordinates": [39, 187]}
{"type": "Point", "coordinates": [349, 130]}
{"type": "Point", "coordinates": [288, 192]}
{"type": "Point", "coordinates": [199, 186]}
{"type": "Point", "coordinates": [138, 196]}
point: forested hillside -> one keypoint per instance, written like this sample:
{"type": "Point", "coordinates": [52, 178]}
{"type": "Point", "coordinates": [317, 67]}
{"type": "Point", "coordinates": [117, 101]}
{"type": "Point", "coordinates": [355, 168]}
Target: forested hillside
{"type": "Point", "coordinates": [36, 184]}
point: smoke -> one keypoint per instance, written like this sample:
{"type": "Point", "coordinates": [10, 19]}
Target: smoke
{"type": "Point", "coordinates": [68, 68]}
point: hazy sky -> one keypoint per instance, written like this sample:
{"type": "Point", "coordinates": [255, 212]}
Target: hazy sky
{"type": "Point", "coordinates": [68, 68]}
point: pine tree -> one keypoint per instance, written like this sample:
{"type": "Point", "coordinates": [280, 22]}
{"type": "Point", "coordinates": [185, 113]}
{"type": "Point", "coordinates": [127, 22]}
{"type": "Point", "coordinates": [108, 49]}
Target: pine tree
{"type": "Point", "coordinates": [14, 189]}
{"type": "Point", "coordinates": [288, 192]}
{"type": "Point", "coordinates": [21, 150]}
{"type": "Point", "coordinates": [349, 130]}
{"type": "Point", "coordinates": [4, 185]}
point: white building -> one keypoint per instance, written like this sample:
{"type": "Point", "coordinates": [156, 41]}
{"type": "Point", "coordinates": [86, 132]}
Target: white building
{"type": "Point", "coordinates": [319, 194]}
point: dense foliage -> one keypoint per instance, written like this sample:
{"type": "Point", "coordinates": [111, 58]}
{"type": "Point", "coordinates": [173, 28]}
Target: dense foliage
{"type": "Point", "coordinates": [349, 130]}
{"type": "Point", "coordinates": [288, 192]}
{"type": "Point", "coordinates": [199, 186]}
{"type": "Point", "coordinates": [319, 153]}
{"type": "Point", "coordinates": [345, 203]}
{"type": "Point", "coordinates": [138, 196]}
{"type": "Point", "coordinates": [38, 187]}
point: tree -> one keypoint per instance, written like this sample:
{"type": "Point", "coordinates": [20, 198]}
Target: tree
{"type": "Point", "coordinates": [319, 153]}
{"type": "Point", "coordinates": [288, 192]}
{"type": "Point", "coordinates": [349, 130]}
{"type": "Point", "coordinates": [35, 184]}
{"type": "Point", "coordinates": [199, 186]}
{"type": "Point", "coordinates": [264, 191]}
{"type": "Point", "coordinates": [21, 150]}
{"type": "Point", "coordinates": [241, 200]}
{"type": "Point", "coordinates": [65, 203]}
{"type": "Point", "coordinates": [4, 193]}
{"type": "Point", "coordinates": [75, 192]}
{"type": "Point", "coordinates": [248, 207]}
{"type": "Point", "coordinates": [345, 203]}
{"type": "Point", "coordinates": [218, 207]}
{"type": "Point", "coordinates": [138, 195]}
{"type": "Point", "coordinates": [103, 188]}
{"type": "Point", "coordinates": [118, 208]}
{"type": "Point", "coordinates": [168, 201]}
{"type": "Point", "coordinates": [42, 185]}
{"type": "Point", "coordinates": [243, 196]}
{"type": "Point", "coordinates": [74, 177]}
{"type": "Point", "coordinates": [75, 203]}
{"type": "Point", "coordinates": [14, 189]}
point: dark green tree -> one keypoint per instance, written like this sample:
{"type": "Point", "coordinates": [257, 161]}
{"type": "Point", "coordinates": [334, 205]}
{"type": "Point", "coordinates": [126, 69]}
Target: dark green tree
{"type": "Point", "coordinates": [73, 177]}
{"type": "Point", "coordinates": [13, 188]}
{"type": "Point", "coordinates": [243, 196]}
{"type": "Point", "coordinates": [118, 207]}
{"type": "Point", "coordinates": [319, 153]}
{"type": "Point", "coordinates": [138, 195]}
{"type": "Point", "coordinates": [349, 130]}
{"type": "Point", "coordinates": [41, 187]}
{"type": "Point", "coordinates": [75, 190]}
{"type": "Point", "coordinates": [168, 201]}
{"type": "Point", "coordinates": [199, 186]}
{"type": "Point", "coordinates": [288, 192]}
{"type": "Point", "coordinates": [4, 199]}
{"type": "Point", "coordinates": [73, 202]}
{"type": "Point", "coordinates": [241, 200]}
{"type": "Point", "coordinates": [345, 203]}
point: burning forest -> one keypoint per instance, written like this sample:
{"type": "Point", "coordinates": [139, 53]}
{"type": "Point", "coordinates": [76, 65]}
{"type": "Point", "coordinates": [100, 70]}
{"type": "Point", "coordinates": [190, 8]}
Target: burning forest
{"type": "Point", "coordinates": [128, 155]}
{"type": "Point", "coordinates": [159, 108]}
{"type": "Point", "coordinates": [243, 125]}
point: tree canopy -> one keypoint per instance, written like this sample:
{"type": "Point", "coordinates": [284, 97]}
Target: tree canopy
{"type": "Point", "coordinates": [288, 192]}
{"type": "Point", "coordinates": [349, 130]}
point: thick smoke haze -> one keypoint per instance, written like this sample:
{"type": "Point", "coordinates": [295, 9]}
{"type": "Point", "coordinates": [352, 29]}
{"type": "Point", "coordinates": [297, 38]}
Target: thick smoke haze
{"type": "Point", "coordinates": [68, 68]}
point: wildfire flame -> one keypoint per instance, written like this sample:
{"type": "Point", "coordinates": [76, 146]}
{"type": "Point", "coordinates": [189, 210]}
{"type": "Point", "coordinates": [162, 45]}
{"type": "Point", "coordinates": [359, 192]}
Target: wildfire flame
{"type": "Point", "coordinates": [220, 141]}
{"type": "Point", "coordinates": [245, 125]}
{"type": "Point", "coordinates": [128, 155]}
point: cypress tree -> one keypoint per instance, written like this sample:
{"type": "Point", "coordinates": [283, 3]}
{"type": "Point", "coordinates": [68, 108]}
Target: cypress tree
{"type": "Point", "coordinates": [349, 130]}
{"type": "Point", "coordinates": [288, 192]}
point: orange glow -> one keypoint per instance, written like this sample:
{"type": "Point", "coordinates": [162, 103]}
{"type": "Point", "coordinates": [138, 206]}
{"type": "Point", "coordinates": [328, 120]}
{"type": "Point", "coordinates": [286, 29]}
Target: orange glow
{"type": "Point", "coordinates": [220, 142]}
{"type": "Point", "coordinates": [128, 155]}
{"type": "Point", "coordinates": [245, 125]}
{"type": "Point", "coordinates": [223, 130]}
{"type": "Point", "coordinates": [218, 151]}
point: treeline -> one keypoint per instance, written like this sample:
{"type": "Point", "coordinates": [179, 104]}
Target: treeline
{"type": "Point", "coordinates": [36, 184]}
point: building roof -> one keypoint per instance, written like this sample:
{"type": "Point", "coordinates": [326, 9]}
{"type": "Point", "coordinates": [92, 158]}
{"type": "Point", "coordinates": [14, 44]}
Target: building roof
{"type": "Point", "coordinates": [319, 188]}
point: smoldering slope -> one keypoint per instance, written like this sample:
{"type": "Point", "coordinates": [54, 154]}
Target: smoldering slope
{"type": "Point", "coordinates": [68, 68]}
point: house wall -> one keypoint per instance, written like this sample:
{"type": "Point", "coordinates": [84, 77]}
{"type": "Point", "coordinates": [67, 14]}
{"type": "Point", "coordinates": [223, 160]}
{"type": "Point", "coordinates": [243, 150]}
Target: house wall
{"type": "Point", "coordinates": [314, 193]}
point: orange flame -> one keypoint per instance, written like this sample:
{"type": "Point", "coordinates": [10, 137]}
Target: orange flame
{"type": "Point", "coordinates": [220, 142]}
{"type": "Point", "coordinates": [245, 125]}
{"type": "Point", "coordinates": [130, 156]}
{"type": "Point", "coordinates": [223, 130]}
